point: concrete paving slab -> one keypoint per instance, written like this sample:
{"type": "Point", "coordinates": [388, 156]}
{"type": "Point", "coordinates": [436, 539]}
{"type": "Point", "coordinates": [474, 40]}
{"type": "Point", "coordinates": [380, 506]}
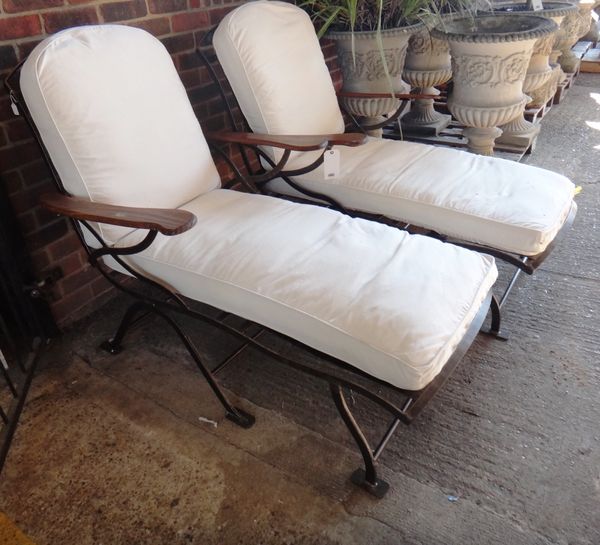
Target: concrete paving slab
{"type": "Point", "coordinates": [126, 470]}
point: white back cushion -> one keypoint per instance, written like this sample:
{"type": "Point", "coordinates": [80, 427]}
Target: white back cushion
{"type": "Point", "coordinates": [272, 59]}
{"type": "Point", "coordinates": [116, 120]}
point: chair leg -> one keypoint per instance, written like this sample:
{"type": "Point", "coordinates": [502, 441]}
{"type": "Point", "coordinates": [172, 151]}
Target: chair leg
{"type": "Point", "coordinates": [235, 414]}
{"type": "Point", "coordinates": [509, 287]}
{"type": "Point", "coordinates": [367, 477]}
{"type": "Point", "coordinates": [495, 326]}
{"type": "Point", "coordinates": [113, 345]}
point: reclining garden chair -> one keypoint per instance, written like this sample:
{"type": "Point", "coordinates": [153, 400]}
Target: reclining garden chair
{"type": "Point", "coordinates": [120, 136]}
{"type": "Point", "coordinates": [271, 56]}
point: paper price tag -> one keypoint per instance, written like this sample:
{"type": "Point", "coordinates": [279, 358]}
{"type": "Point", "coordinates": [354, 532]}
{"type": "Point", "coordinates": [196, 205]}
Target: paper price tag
{"type": "Point", "coordinates": [331, 164]}
{"type": "Point", "coordinates": [15, 108]}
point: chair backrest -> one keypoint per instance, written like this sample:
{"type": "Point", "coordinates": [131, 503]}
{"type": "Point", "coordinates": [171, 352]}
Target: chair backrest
{"type": "Point", "coordinates": [116, 120]}
{"type": "Point", "coordinates": [272, 58]}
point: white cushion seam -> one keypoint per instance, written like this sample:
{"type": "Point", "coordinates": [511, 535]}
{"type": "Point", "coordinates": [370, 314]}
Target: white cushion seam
{"type": "Point", "coordinates": [320, 320]}
{"type": "Point", "coordinates": [544, 233]}
{"type": "Point", "coordinates": [228, 35]}
{"type": "Point", "coordinates": [68, 150]}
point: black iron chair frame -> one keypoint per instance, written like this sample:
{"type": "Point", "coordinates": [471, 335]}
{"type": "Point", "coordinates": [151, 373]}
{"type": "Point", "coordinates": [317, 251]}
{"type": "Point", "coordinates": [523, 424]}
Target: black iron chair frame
{"type": "Point", "coordinates": [16, 375]}
{"type": "Point", "coordinates": [173, 304]}
{"type": "Point", "coordinates": [522, 263]}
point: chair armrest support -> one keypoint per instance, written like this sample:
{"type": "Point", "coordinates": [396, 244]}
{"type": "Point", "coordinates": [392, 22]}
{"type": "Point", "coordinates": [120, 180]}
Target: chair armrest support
{"type": "Point", "coordinates": [288, 142]}
{"type": "Point", "coordinates": [166, 221]}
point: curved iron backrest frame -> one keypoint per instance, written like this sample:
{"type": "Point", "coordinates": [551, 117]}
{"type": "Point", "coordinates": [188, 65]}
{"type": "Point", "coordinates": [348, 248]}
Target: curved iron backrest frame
{"type": "Point", "coordinates": [413, 401]}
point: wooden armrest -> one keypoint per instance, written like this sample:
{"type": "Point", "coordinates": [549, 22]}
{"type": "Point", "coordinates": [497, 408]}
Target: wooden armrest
{"type": "Point", "coordinates": [288, 142]}
{"type": "Point", "coordinates": [166, 221]}
{"type": "Point", "coordinates": [399, 96]}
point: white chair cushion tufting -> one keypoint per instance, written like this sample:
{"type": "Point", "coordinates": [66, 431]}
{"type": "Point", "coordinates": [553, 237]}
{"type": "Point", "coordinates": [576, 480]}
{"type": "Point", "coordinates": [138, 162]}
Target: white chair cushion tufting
{"type": "Point", "coordinates": [392, 304]}
{"type": "Point", "coordinates": [116, 119]}
{"type": "Point", "coordinates": [270, 54]}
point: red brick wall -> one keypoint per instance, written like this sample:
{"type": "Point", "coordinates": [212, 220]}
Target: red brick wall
{"type": "Point", "coordinates": [180, 24]}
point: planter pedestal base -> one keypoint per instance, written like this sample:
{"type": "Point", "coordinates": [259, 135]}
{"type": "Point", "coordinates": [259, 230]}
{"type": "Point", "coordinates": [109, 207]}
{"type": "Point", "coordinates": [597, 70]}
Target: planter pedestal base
{"type": "Point", "coordinates": [569, 62]}
{"type": "Point", "coordinates": [370, 111]}
{"type": "Point", "coordinates": [423, 119]}
{"type": "Point", "coordinates": [368, 121]}
{"type": "Point", "coordinates": [519, 132]}
{"type": "Point", "coordinates": [481, 140]}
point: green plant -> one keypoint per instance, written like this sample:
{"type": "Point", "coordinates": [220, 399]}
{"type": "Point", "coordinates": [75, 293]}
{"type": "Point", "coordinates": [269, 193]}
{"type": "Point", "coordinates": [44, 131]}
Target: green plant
{"type": "Point", "coordinates": [369, 15]}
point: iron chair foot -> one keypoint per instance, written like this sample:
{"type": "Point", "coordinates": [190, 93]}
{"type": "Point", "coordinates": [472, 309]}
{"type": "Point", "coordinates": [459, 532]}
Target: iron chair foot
{"type": "Point", "coordinates": [498, 335]}
{"type": "Point", "coordinates": [111, 347]}
{"type": "Point", "coordinates": [142, 308]}
{"type": "Point", "coordinates": [241, 418]}
{"type": "Point", "coordinates": [378, 489]}
{"type": "Point", "coordinates": [365, 478]}
{"type": "Point", "coordinates": [133, 313]}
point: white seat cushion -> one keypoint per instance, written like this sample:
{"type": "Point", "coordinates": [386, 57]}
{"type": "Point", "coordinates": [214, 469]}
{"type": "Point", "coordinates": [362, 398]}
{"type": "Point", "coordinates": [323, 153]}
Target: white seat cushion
{"type": "Point", "coordinates": [119, 128]}
{"type": "Point", "coordinates": [392, 304]}
{"type": "Point", "coordinates": [496, 202]}
{"type": "Point", "coordinates": [270, 54]}
{"type": "Point", "coordinates": [116, 119]}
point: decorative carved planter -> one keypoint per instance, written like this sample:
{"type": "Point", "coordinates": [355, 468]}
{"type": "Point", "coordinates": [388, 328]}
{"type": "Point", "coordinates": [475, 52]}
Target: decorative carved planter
{"type": "Point", "coordinates": [519, 131]}
{"type": "Point", "coordinates": [427, 65]}
{"type": "Point", "coordinates": [592, 34]}
{"type": "Point", "coordinates": [545, 92]}
{"type": "Point", "coordinates": [490, 56]}
{"type": "Point", "coordinates": [574, 26]}
{"type": "Point", "coordinates": [363, 70]}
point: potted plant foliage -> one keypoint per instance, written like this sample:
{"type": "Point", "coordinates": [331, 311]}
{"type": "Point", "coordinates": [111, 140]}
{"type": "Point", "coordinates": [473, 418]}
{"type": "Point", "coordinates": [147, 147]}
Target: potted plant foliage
{"type": "Point", "coordinates": [371, 37]}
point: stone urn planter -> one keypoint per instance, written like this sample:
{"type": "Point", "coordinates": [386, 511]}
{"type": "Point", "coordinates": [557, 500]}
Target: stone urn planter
{"type": "Point", "coordinates": [542, 94]}
{"type": "Point", "coordinates": [490, 55]}
{"type": "Point", "coordinates": [575, 26]}
{"type": "Point", "coordinates": [363, 69]}
{"type": "Point", "coordinates": [592, 34]}
{"type": "Point", "coordinates": [519, 131]}
{"type": "Point", "coordinates": [427, 65]}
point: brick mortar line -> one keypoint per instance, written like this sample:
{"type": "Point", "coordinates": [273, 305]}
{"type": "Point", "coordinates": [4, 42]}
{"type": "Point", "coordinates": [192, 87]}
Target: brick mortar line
{"type": "Point", "coordinates": [68, 9]}
{"type": "Point", "coordinates": [73, 7]}
{"type": "Point", "coordinates": [27, 39]}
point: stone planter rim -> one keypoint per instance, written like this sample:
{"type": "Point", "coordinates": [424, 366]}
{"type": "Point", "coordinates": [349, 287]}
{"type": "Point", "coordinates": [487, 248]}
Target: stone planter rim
{"type": "Point", "coordinates": [535, 27]}
{"type": "Point", "coordinates": [370, 34]}
{"type": "Point", "coordinates": [550, 9]}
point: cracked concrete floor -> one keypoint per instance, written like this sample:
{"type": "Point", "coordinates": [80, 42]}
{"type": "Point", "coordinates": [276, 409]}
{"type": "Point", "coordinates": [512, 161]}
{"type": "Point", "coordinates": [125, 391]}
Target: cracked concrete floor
{"type": "Point", "coordinates": [112, 450]}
